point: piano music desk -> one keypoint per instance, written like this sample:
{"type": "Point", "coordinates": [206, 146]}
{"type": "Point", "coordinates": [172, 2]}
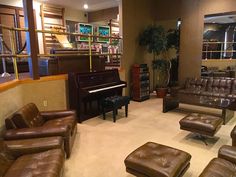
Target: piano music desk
{"type": "Point", "coordinates": [114, 103]}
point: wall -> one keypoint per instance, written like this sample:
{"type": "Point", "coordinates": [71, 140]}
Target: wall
{"type": "Point", "coordinates": [136, 15]}
{"type": "Point", "coordinates": [76, 15]}
{"type": "Point", "coordinates": [54, 92]}
{"type": "Point", "coordinates": [192, 15]}
{"type": "Point", "coordinates": [10, 101]}
{"type": "Point", "coordinates": [103, 15]}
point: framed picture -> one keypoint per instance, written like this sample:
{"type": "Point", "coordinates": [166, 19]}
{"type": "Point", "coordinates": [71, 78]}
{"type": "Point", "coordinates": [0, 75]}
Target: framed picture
{"type": "Point", "coordinates": [85, 29]}
{"type": "Point", "coordinates": [103, 31]}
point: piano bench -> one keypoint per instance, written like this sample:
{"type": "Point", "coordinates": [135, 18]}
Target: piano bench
{"type": "Point", "coordinates": [114, 103]}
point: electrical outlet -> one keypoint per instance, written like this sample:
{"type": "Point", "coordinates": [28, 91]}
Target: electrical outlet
{"type": "Point", "coordinates": [45, 103]}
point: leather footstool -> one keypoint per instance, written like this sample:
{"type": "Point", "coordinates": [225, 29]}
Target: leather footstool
{"type": "Point", "coordinates": [36, 145]}
{"type": "Point", "coordinates": [114, 103]}
{"type": "Point", "coordinates": [156, 160]}
{"type": "Point", "coordinates": [201, 123]}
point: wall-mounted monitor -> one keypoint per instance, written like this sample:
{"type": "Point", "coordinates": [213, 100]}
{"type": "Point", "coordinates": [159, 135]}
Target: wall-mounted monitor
{"type": "Point", "coordinates": [103, 31]}
{"type": "Point", "coordinates": [85, 29]}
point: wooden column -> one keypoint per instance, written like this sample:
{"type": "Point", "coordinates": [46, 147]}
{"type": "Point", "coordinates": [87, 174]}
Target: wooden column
{"type": "Point", "coordinates": [31, 38]}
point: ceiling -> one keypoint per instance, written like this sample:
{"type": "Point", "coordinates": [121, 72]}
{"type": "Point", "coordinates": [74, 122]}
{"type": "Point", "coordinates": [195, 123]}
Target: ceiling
{"type": "Point", "coordinates": [78, 4]}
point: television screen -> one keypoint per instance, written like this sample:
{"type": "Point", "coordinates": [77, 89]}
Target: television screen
{"type": "Point", "coordinates": [85, 29]}
{"type": "Point", "coordinates": [104, 31]}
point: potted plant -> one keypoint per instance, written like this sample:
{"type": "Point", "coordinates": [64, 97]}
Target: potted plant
{"type": "Point", "coordinates": [154, 38]}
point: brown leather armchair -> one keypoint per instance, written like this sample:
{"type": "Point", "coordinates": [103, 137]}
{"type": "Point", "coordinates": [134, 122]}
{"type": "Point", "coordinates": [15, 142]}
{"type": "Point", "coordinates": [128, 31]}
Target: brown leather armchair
{"type": "Point", "coordinates": [223, 165]}
{"type": "Point", "coordinates": [28, 122]}
{"type": "Point", "coordinates": [46, 163]}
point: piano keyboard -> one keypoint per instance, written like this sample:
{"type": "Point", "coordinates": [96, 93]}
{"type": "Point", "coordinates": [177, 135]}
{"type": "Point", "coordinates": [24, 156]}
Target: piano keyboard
{"type": "Point", "coordinates": [106, 88]}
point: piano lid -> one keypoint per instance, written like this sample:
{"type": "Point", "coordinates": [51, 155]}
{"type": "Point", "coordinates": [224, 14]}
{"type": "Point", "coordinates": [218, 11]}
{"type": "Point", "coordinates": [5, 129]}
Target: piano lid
{"type": "Point", "coordinates": [90, 79]}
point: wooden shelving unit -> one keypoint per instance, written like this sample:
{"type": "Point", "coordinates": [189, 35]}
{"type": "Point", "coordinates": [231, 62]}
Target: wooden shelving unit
{"type": "Point", "coordinates": [140, 82]}
{"type": "Point", "coordinates": [52, 17]}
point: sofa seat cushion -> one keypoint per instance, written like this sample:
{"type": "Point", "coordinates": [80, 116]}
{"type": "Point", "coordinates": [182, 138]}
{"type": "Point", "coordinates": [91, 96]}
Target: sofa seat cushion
{"type": "Point", "coordinates": [47, 164]}
{"type": "Point", "coordinates": [189, 91]}
{"type": "Point", "coordinates": [231, 96]}
{"type": "Point", "coordinates": [201, 123]}
{"type": "Point", "coordinates": [69, 121]}
{"type": "Point", "coordinates": [214, 94]}
{"type": "Point", "coordinates": [218, 167]}
{"type": "Point", "coordinates": [152, 159]}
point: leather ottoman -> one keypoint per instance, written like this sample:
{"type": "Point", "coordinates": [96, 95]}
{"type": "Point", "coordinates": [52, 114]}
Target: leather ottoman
{"type": "Point", "coordinates": [156, 160]}
{"type": "Point", "coordinates": [201, 123]}
{"type": "Point", "coordinates": [36, 145]}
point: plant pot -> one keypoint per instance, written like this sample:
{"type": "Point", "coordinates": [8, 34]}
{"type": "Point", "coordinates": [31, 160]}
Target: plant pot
{"type": "Point", "coordinates": [161, 92]}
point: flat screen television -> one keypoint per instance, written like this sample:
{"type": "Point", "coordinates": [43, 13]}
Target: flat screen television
{"type": "Point", "coordinates": [103, 31]}
{"type": "Point", "coordinates": [86, 29]}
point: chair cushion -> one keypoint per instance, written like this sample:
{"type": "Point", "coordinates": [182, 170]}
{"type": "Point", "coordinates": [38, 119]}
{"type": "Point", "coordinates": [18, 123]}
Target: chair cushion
{"type": "Point", "coordinates": [218, 167]}
{"type": "Point", "coordinates": [6, 159]}
{"type": "Point", "coordinates": [46, 164]}
{"type": "Point", "coordinates": [35, 145]}
{"type": "Point", "coordinates": [116, 101]}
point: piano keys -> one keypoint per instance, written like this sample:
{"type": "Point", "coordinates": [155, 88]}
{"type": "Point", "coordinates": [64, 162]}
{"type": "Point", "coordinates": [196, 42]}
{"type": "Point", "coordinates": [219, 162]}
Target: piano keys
{"type": "Point", "coordinates": [86, 90]}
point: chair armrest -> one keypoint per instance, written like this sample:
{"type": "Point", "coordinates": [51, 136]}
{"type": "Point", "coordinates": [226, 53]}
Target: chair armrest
{"type": "Point", "coordinates": [37, 132]}
{"type": "Point", "coordinates": [30, 146]}
{"type": "Point", "coordinates": [233, 133]}
{"type": "Point", "coordinates": [228, 153]}
{"type": "Point", "coordinates": [174, 90]}
{"type": "Point", "coordinates": [49, 115]}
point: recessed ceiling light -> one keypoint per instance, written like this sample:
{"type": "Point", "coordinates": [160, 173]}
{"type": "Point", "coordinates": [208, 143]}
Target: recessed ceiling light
{"type": "Point", "coordinates": [85, 6]}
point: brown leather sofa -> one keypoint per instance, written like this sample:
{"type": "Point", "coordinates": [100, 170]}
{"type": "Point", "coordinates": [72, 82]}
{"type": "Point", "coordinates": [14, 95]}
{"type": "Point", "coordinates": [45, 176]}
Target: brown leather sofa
{"type": "Point", "coordinates": [209, 86]}
{"type": "Point", "coordinates": [223, 165]}
{"type": "Point", "coordinates": [28, 122]}
{"type": "Point", "coordinates": [47, 163]}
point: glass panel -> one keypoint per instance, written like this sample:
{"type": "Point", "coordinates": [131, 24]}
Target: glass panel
{"type": "Point", "coordinates": [219, 37]}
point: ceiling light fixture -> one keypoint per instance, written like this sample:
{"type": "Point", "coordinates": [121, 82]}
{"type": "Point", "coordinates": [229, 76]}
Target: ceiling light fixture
{"type": "Point", "coordinates": [85, 6]}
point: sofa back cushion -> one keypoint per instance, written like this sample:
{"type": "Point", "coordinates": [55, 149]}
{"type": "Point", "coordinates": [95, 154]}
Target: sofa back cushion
{"type": "Point", "coordinates": [9, 123]}
{"type": "Point", "coordinates": [233, 88]}
{"type": "Point", "coordinates": [196, 84]}
{"type": "Point", "coordinates": [6, 159]}
{"type": "Point", "coordinates": [28, 116]}
{"type": "Point", "coordinates": [218, 85]}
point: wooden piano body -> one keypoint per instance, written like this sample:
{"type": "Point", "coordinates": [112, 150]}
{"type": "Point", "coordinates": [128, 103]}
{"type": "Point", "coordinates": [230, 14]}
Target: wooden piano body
{"type": "Point", "coordinates": [86, 90]}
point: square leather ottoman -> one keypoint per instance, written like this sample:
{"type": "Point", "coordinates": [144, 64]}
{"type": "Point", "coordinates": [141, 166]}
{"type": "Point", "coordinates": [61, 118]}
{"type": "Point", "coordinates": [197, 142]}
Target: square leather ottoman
{"type": "Point", "coordinates": [156, 160]}
{"type": "Point", "coordinates": [202, 124]}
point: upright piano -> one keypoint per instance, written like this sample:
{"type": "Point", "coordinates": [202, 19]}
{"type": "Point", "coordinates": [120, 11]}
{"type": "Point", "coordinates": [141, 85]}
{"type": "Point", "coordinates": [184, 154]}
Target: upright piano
{"type": "Point", "coordinates": [86, 90]}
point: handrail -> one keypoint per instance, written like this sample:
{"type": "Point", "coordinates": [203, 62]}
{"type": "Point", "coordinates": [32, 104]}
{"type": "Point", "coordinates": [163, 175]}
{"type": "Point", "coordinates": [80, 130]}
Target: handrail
{"type": "Point", "coordinates": [14, 55]}
{"type": "Point", "coordinates": [56, 32]}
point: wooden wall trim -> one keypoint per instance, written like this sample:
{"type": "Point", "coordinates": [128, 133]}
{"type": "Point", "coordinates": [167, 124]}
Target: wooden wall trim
{"type": "Point", "coordinates": [14, 83]}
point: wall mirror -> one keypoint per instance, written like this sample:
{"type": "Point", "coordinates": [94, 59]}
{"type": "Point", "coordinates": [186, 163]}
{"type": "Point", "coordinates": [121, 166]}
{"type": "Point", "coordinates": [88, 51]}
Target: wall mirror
{"type": "Point", "coordinates": [219, 36]}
